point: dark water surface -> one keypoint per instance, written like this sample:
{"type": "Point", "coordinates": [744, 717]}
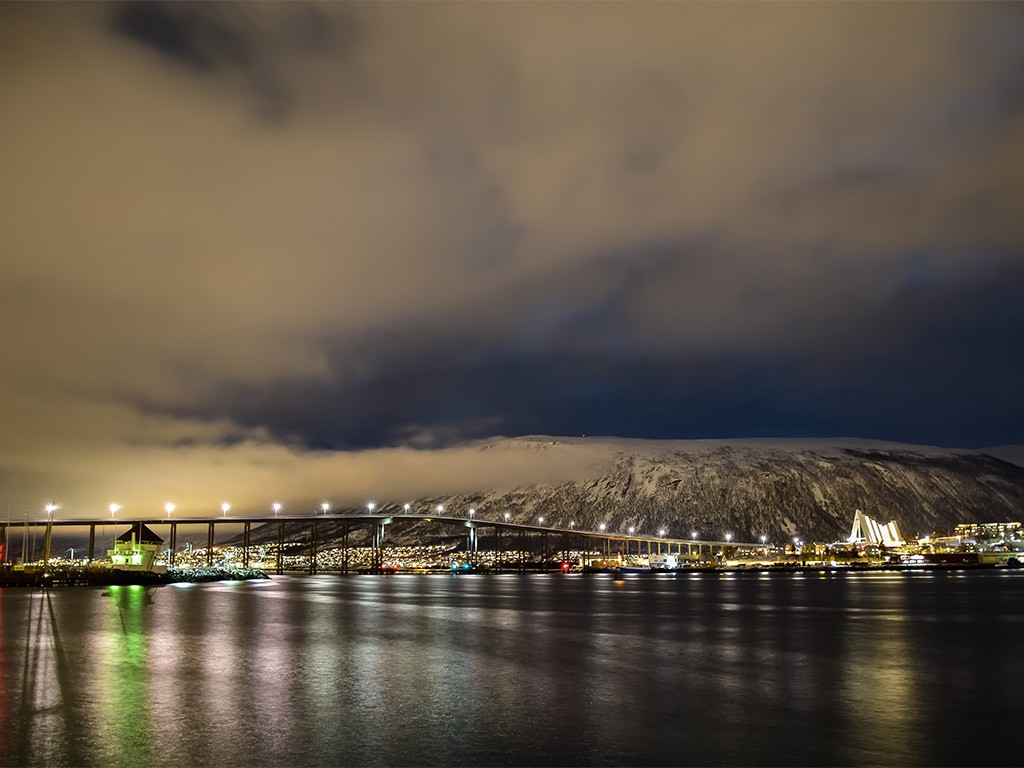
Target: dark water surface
{"type": "Point", "coordinates": [708, 669]}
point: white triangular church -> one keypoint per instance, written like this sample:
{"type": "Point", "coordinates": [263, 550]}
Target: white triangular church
{"type": "Point", "coordinates": [868, 531]}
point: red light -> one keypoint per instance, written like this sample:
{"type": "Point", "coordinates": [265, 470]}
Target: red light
{"type": "Point", "coordinates": [565, 566]}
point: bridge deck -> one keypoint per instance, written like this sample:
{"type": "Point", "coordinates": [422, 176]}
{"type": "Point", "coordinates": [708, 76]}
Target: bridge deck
{"type": "Point", "coordinates": [375, 518]}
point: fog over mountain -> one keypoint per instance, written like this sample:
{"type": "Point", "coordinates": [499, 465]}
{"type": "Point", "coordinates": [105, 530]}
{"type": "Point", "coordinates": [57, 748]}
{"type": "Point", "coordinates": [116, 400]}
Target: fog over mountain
{"type": "Point", "coordinates": [749, 488]}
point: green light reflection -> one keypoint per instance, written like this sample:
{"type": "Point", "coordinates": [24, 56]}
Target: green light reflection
{"type": "Point", "coordinates": [125, 714]}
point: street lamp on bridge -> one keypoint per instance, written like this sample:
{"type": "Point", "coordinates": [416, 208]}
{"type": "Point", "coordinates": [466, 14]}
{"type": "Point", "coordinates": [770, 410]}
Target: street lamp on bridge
{"type": "Point", "coordinates": [113, 507]}
{"type": "Point", "coordinates": [169, 507]}
{"type": "Point", "coordinates": [371, 506]}
{"type": "Point", "coordinates": [326, 507]}
{"type": "Point", "coordinates": [225, 508]}
{"type": "Point", "coordinates": [276, 506]}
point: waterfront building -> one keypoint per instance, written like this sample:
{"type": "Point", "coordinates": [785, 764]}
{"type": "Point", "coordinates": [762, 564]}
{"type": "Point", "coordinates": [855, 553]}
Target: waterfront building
{"type": "Point", "coordinates": [868, 531]}
{"type": "Point", "coordinates": [998, 531]}
{"type": "Point", "coordinates": [136, 550]}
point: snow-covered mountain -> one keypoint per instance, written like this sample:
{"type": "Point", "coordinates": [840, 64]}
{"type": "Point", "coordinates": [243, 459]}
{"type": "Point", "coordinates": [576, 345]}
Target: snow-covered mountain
{"type": "Point", "coordinates": [774, 487]}
{"type": "Point", "coordinates": [1011, 453]}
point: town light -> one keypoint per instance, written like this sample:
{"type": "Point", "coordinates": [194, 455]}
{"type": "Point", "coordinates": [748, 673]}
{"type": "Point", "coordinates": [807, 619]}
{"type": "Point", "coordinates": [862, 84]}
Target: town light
{"type": "Point", "coordinates": [540, 520]}
{"type": "Point", "coordinates": [472, 511]}
{"type": "Point", "coordinates": [225, 508]}
{"type": "Point", "coordinates": [601, 527]}
{"type": "Point", "coordinates": [507, 516]}
{"type": "Point", "coordinates": [440, 508]}
{"type": "Point", "coordinates": [662, 532]}
{"type": "Point", "coordinates": [276, 506]}
{"type": "Point", "coordinates": [631, 529]}
{"type": "Point", "coordinates": [326, 507]}
{"type": "Point", "coordinates": [693, 534]}
{"type": "Point", "coordinates": [169, 507]}
{"type": "Point", "coordinates": [113, 507]}
{"type": "Point", "coordinates": [728, 537]}
{"type": "Point", "coordinates": [371, 506]}
{"type": "Point", "coordinates": [407, 507]}
{"type": "Point", "coordinates": [51, 508]}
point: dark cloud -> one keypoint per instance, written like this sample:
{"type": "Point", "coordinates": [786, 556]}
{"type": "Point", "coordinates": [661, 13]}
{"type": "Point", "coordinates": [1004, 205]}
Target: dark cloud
{"type": "Point", "coordinates": [666, 220]}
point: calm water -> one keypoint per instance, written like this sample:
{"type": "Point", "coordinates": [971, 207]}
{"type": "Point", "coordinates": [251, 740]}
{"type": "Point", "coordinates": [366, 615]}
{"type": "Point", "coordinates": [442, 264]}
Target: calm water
{"type": "Point", "coordinates": [788, 669]}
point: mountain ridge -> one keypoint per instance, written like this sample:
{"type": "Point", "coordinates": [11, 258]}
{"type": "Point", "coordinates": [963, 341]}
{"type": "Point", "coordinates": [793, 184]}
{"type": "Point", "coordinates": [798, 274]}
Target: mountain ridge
{"type": "Point", "coordinates": [778, 488]}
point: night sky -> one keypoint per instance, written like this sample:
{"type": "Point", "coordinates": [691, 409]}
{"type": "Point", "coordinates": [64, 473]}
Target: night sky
{"type": "Point", "coordinates": [325, 248]}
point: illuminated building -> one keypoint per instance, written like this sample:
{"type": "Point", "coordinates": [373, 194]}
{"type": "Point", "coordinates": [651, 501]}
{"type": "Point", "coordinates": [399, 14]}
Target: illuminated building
{"type": "Point", "coordinates": [988, 530]}
{"type": "Point", "coordinates": [870, 531]}
{"type": "Point", "coordinates": [136, 549]}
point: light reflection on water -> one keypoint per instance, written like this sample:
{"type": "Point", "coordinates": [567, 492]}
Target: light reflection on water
{"type": "Point", "coordinates": [516, 670]}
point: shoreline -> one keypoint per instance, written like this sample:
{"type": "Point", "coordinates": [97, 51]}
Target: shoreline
{"type": "Point", "coordinates": [93, 577]}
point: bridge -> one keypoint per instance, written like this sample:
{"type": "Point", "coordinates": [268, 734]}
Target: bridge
{"type": "Point", "coordinates": [503, 532]}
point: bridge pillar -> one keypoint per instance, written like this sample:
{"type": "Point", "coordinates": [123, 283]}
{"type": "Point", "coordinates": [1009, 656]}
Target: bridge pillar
{"type": "Point", "coordinates": [245, 544]}
{"type": "Point", "coordinates": [47, 540]}
{"type": "Point", "coordinates": [280, 548]}
{"type": "Point", "coordinates": [209, 546]}
{"type": "Point", "coordinates": [312, 547]}
{"type": "Point", "coordinates": [378, 551]}
{"type": "Point", "coordinates": [173, 547]}
{"type": "Point", "coordinates": [92, 543]}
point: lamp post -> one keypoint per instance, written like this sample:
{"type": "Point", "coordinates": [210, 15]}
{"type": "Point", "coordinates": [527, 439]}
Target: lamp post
{"type": "Point", "coordinates": [471, 513]}
{"type": "Point", "coordinates": [370, 507]}
{"type": "Point", "coordinates": [440, 508]}
{"type": "Point", "coordinates": [225, 508]}
{"type": "Point", "coordinates": [407, 508]}
{"type": "Point", "coordinates": [113, 507]}
{"type": "Point", "coordinates": [602, 526]}
{"type": "Point", "coordinates": [169, 507]}
{"type": "Point", "coordinates": [325, 507]}
{"type": "Point", "coordinates": [276, 506]}
{"type": "Point", "coordinates": [507, 516]}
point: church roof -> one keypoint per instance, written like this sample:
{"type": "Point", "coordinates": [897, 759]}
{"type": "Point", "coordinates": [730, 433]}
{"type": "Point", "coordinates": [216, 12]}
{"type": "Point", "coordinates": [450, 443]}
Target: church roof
{"type": "Point", "coordinates": [141, 533]}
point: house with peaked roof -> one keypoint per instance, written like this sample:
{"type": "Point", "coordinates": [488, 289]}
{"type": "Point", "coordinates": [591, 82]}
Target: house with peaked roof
{"type": "Point", "coordinates": [136, 550]}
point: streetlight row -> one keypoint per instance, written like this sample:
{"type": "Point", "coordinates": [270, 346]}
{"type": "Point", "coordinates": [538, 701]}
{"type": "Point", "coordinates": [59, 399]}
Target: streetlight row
{"type": "Point", "coordinates": [169, 507]}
